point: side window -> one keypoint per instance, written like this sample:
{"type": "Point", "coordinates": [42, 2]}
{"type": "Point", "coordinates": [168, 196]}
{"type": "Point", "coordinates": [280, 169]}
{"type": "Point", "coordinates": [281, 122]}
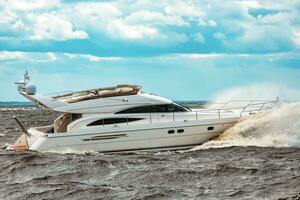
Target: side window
{"type": "Point", "coordinates": [141, 109]}
{"type": "Point", "coordinates": [108, 121]}
{"type": "Point", "coordinates": [76, 116]}
{"type": "Point", "coordinates": [174, 108]}
{"type": "Point", "coordinates": [154, 109]}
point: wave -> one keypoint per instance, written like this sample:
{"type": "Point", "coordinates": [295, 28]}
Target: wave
{"type": "Point", "coordinates": [279, 128]}
{"type": "Point", "coordinates": [72, 151]}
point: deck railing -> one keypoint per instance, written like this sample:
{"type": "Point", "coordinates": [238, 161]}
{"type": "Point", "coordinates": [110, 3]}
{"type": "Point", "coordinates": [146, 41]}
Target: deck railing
{"type": "Point", "coordinates": [228, 109]}
{"type": "Point", "coordinates": [252, 106]}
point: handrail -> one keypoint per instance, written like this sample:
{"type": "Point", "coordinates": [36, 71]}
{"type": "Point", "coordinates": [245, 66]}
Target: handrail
{"type": "Point", "coordinates": [239, 107]}
{"type": "Point", "coordinates": [245, 108]}
{"type": "Point", "coordinates": [241, 101]}
{"type": "Point", "coordinates": [263, 106]}
{"type": "Point", "coordinates": [250, 108]}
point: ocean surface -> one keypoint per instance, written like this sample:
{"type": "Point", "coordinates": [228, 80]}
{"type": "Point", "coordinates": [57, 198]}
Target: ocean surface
{"type": "Point", "coordinates": [259, 158]}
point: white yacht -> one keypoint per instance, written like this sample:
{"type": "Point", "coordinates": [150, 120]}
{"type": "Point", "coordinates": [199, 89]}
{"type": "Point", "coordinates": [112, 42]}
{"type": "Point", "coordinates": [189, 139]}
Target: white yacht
{"type": "Point", "coordinates": [123, 118]}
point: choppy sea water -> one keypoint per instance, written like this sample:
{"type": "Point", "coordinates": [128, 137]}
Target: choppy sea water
{"type": "Point", "coordinates": [259, 158]}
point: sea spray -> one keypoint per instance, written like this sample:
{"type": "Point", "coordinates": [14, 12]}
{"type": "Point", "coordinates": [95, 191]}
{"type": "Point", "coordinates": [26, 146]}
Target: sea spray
{"type": "Point", "coordinates": [259, 91]}
{"type": "Point", "coordinates": [279, 128]}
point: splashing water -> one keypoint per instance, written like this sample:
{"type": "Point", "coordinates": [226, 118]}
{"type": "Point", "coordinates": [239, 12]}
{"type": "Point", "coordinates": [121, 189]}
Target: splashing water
{"type": "Point", "coordinates": [262, 91]}
{"type": "Point", "coordinates": [279, 128]}
{"type": "Point", "coordinates": [72, 151]}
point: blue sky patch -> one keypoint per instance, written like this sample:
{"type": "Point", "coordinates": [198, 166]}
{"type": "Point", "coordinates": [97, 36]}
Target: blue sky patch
{"type": "Point", "coordinates": [199, 47]}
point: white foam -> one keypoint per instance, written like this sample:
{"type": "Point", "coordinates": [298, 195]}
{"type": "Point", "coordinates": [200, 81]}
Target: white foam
{"type": "Point", "coordinates": [259, 91]}
{"type": "Point", "coordinates": [279, 128]}
{"type": "Point", "coordinates": [72, 151]}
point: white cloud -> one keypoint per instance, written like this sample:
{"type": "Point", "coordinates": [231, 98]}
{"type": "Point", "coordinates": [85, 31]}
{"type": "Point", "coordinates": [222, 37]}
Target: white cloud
{"type": "Point", "coordinates": [269, 32]}
{"type": "Point", "coordinates": [210, 23]}
{"type": "Point", "coordinates": [37, 20]}
{"type": "Point", "coordinates": [296, 36]}
{"type": "Point", "coordinates": [29, 5]}
{"type": "Point", "coordinates": [250, 4]}
{"type": "Point", "coordinates": [91, 58]}
{"type": "Point", "coordinates": [99, 59]}
{"type": "Point", "coordinates": [26, 56]}
{"type": "Point", "coordinates": [157, 18]}
{"type": "Point", "coordinates": [119, 30]}
{"type": "Point", "coordinates": [70, 55]}
{"type": "Point", "coordinates": [199, 37]}
{"type": "Point", "coordinates": [278, 5]}
{"type": "Point", "coordinates": [38, 57]}
{"type": "Point", "coordinates": [10, 22]}
{"type": "Point", "coordinates": [151, 23]}
{"type": "Point", "coordinates": [96, 10]}
{"type": "Point", "coordinates": [11, 55]}
{"type": "Point", "coordinates": [270, 56]}
{"type": "Point", "coordinates": [51, 56]}
{"type": "Point", "coordinates": [186, 9]}
{"type": "Point", "coordinates": [219, 35]}
{"type": "Point", "coordinates": [199, 56]}
{"type": "Point", "coordinates": [266, 37]}
{"type": "Point", "coordinates": [55, 28]}
{"type": "Point", "coordinates": [142, 34]}
{"type": "Point", "coordinates": [277, 18]}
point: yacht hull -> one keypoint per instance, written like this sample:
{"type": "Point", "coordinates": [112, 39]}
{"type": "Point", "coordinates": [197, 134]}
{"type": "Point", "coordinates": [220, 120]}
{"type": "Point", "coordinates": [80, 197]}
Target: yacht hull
{"type": "Point", "coordinates": [133, 138]}
{"type": "Point", "coordinates": [123, 118]}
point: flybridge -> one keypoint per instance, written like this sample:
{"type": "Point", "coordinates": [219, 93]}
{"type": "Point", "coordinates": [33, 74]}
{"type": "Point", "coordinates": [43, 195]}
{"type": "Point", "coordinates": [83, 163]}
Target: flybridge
{"type": "Point", "coordinates": [99, 100]}
{"type": "Point", "coordinates": [25, 87]}
{"type": "Point", "coordinates": [119, 90]}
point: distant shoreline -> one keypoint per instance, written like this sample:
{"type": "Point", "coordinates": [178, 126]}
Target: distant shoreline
{"type": "Point", "coordinates": [16, 104]}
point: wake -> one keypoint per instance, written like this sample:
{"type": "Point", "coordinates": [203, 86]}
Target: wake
{"type": "Point", "coordinates": [279, 128]}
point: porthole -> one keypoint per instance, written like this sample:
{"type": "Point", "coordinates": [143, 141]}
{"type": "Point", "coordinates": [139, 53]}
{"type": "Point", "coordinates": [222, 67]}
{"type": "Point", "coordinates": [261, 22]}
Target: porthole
{"type": "Point", "coordinates": [210, 128]}
{"type": "Point", "coordinates": [180, 131]}
{"type": "Point", "coordinates": [171, 131]}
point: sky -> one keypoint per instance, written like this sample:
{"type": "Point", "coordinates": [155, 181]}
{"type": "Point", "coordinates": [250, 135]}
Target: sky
{"type": "Point", "coordinates": [179, 49]}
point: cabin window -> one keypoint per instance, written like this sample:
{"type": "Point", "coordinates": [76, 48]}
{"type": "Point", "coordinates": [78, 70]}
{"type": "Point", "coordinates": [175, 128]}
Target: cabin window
{"type": "Point", "coordinates": [108, 121]}
{"type": "Point", "coordinates": [76, 116]}
{"type": "Point", "coordinates": [154, 109]}
{"type": "Point", "coordinates": [180, 131]}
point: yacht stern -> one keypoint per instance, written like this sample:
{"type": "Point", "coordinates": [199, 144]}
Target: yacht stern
{"type": "Point", "coordinates": [24, 142]}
